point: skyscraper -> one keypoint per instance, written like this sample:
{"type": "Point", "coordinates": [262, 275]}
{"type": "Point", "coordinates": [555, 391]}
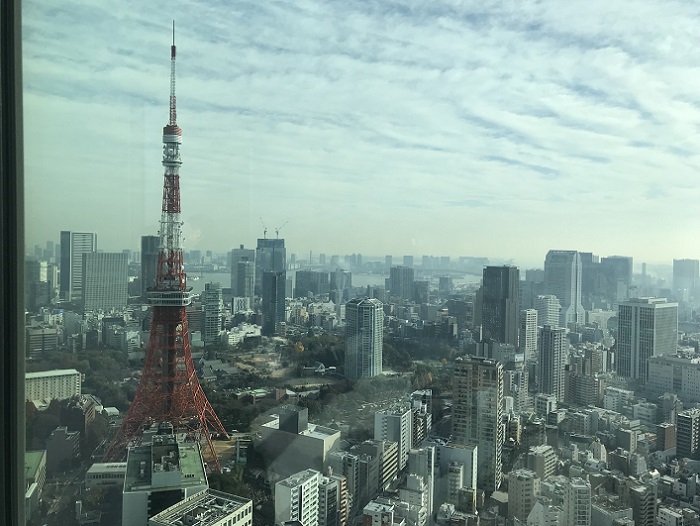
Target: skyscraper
{"type": "Point", "coordinates": [552, 361]}
{"type": "Point", "coordinates": [616, 271]}
{"type": "Point", "coordinates": [501, 304]}
{"type": "Point", "coordinates": [149, 262]}
{"type": "Point", "coordinates": [240, 275]}
{"type": "Point", "coordinates": [401, 282]}
{"type": "Point", "coordinates": [477, 408]}
{"type": "Point", "coordinates": [105, 281]}
{"type": "Point", "coordinates": [646, 327]}
{"type": "Point", "coordinates": [364, 338]}
{"type": "Point", "coordinates": [311, 281]}
{"type": "Point", "coordinates": [548, 310]}
{"type": "Point", "coordinates": [562, 278]}
{"type": "Point", "coordinates": [686, 273]}
{"type": "Point", "coordinates": [212, 313]}
{"type": "Point", "coordinates": [590, 280]}
{"type": "Point", "coordinates": [245, 279]}
{"type": "Point", "coordinates": [528, 332]}
{"type": "Point", "coordinates": [273, 301]}
{"type": "Point", "coordinates": [73, 246]}
{"type": "Point", "coordinates": [270, 256]}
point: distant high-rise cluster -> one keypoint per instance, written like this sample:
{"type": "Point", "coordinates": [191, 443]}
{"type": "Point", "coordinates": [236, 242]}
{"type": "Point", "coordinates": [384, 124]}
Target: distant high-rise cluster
{"type": "Point", "coordinates": [562, 278]}
{"type": "Point", "coordinates": [73, 246]}
{"type": "Point", "coordinates": [105, 281]}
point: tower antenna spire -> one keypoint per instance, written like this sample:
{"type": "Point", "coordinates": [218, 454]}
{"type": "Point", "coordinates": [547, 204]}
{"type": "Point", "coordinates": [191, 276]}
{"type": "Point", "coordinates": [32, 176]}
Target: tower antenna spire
{"type": "Point", "coordinates": [173, 106]}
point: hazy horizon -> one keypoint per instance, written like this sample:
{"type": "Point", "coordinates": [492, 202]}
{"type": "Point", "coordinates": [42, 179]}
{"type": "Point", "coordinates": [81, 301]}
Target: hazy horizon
{"type": "Point", "coordinates": [438, 128]}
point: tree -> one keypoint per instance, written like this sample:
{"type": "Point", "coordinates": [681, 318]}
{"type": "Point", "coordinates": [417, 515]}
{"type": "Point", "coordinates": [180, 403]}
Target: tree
{"type": "Point", "coordinates": [44, 423]}
{"type": "Point", "coordinates": [95, 434]}
{"type": "Point", "coordinates": [231, 482]}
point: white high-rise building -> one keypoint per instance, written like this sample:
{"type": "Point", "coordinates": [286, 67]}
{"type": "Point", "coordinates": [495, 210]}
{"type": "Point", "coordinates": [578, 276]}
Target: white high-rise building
{"type": "Point", "coordinates": [554, 348]}
{"type": "Point", "coordinates": [528, 332]}
{"type": "Point", "coordinates": [523, 489]}
{"type": "Point", "coordinates": [646, 327]}
{"type": "Point", "coordinates": [395, 424]}
{"type": "Point", "coordinates": [421, 461]}
{"type": "Point", "coordinates": [562, 278]}
{"type": "Point", "coordinates": [105, 281]}
{"type": "Point", "coordinates": [577, 502]}
{"type": "Point", "coordinates": [416, 493]}
{"type": "Point", "coordinates": [212, 313]}
{"type": "Point", "coordinates": [548, 310]}
{"type": "Point", "coordinates": [73, 246]}
{"type": "Point", "coordinates": [364, 338]}
{"type": "Point", "coordinates": [477, 408]}
{"type": "Point", "coordinates": [296, 498]}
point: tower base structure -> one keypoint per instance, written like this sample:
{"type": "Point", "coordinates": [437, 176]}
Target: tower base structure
{"type": "Point", "coordinates": [169, 391]}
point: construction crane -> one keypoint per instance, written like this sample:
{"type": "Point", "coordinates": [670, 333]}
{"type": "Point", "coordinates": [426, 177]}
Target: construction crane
{"type": "Point", "coordinates": [264, 229]}
{"type": "Point", "coordinates": [277, 230]}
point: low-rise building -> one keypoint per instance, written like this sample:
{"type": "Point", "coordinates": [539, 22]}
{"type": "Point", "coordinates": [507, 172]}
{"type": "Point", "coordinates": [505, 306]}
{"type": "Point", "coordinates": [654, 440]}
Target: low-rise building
{"type": "Point", "coordinates": [291, 444]}
{"type": "Point", "coordinates": [34, 478]}
{"type": "Point", "coordinates": [160, 474]}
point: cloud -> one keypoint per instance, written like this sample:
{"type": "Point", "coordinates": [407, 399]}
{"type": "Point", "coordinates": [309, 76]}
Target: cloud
{"type": "Point", "coordinates": [370, 113]}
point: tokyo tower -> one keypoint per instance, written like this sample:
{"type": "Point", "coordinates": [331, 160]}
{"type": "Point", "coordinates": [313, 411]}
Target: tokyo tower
{"type": "Point", "coordinates": [169, 391]}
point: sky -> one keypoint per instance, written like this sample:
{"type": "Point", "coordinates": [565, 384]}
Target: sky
{"type": "Point", "coordinates": [442, 127]}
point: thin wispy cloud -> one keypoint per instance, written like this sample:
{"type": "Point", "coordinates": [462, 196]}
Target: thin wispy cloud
{"type": "Point", "coordinates": [371, 126]}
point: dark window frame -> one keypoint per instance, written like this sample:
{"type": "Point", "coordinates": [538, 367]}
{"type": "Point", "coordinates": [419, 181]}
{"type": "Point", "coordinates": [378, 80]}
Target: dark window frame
{"type": "Point", "coordinates": [12, 405]}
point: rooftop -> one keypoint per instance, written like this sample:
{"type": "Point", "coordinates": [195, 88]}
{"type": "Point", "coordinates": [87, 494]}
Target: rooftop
{"type": "Point", "coordinates": [49, 374]}
{"type": "Point", "coordinates": [32, 460]}
{"type": "Point", "coordinates": [205, 508]}
{"type": "Point", "coordinates": [299, 478]}
{"type": "Point", "coordinates": [313, 430]}
{"type": "Point", "coordinates": [107, 467]}
{"type": "Point", "coordinates": [608, 502]}
{"type": "Point", "coordinates": [168, 460]}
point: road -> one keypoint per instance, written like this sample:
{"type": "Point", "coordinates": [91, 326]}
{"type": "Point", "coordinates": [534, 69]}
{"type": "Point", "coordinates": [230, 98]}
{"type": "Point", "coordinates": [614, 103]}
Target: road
{"type": "Point", "coordinates": [65, 490]}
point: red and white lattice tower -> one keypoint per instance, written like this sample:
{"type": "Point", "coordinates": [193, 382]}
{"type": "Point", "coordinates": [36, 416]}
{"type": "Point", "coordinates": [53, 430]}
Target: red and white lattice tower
{"type": "Point", "coordinates": [169, 390]}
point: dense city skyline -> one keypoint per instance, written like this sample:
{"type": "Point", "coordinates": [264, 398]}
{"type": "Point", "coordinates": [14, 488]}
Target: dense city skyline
{"type": "Point", "coordinates": [371, 127]}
